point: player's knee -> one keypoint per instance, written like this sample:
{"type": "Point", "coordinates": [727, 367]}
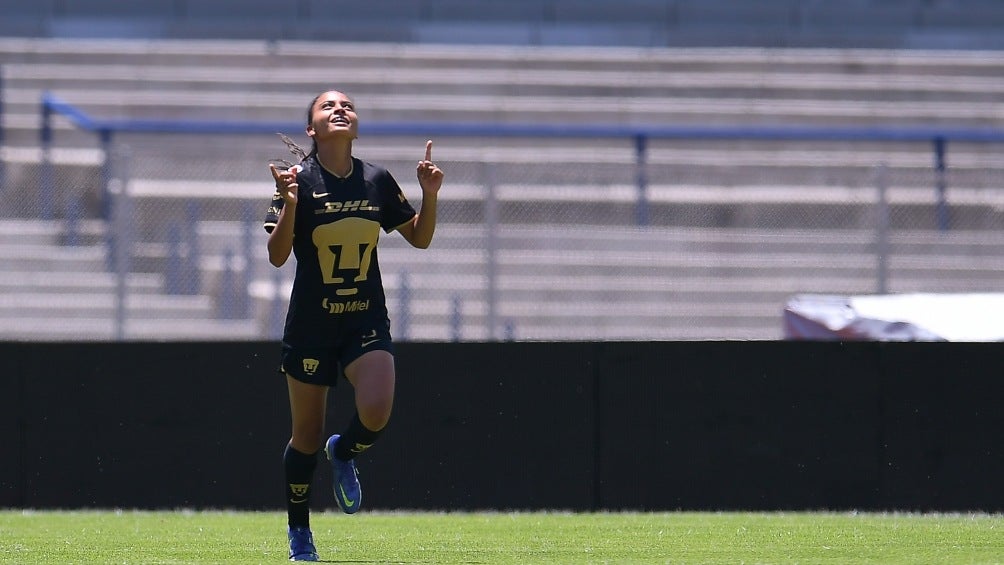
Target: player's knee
{"type": "Point", "coordinates": [375, 416]}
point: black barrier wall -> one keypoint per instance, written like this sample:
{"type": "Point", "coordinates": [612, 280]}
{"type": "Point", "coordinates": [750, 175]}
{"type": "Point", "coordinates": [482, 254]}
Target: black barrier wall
{"type": "Point", "coordinates": [580, 426]}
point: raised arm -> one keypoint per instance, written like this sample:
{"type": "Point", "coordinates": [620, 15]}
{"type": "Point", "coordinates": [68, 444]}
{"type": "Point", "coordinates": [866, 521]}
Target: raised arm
{"type": "Point", "coordinates": [420, 230]}
{"type": "Point", "coordinates": [280, 241]}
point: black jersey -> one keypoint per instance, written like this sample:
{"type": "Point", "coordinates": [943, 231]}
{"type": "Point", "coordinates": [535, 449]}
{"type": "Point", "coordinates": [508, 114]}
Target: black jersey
{"type": "Point", "coordinates": [338, 223]}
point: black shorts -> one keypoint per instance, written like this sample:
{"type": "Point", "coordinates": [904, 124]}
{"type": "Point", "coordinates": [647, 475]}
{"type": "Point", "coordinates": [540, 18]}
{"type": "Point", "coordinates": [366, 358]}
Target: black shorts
{"type": "Point", "coordinates": [324, 365]}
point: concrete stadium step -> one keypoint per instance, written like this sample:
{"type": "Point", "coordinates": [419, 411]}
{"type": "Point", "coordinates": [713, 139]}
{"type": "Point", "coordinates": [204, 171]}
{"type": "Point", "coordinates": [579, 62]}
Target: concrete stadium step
{"type": "Point", "coordinates": [642, 313]}
{"type": "Point", "coordinates": [972, 197]}
{"type": "Point", "coordinates": [626, 22]}
{"type": "Point", "coordinates": [549, 108]}
{"type": "Point", "coordinates": [680, 285]}
{"type": "Point", "coordinates": [19, 231]}
{"type": "Point", "coordinates": [22, 128]}
{"type": "Point", "coordinates": [47, 257]}
{"type": "Point", "coordinates": [19, 282]}
{"type": "Point", "coordinates": [601, 82]}
{"type": "Point", "coordinates": [759, 286]}
{"type": "Point", "coordinates": [538, 153]}
{"type": "Point", "coordinates": [436, 319]}
{"type": "Point", "coordinates": [583, 161]}
{"type": "Point", "coordinates": [50, 305]}
{"type": "Point", "coordinates": [465, 244]}
{"type": "Point", "coordinates": [620, 325]}
{"type": "Point", "coordinates": [392, 76]}
{"type": "Point", "coordinates": [736, 264]}
{"type": "Point", "coordinates": [316, 54]}
{"type": "Point", "coordinates": [443, 330]}
{"type": "Point", "coordinates": [105, 329]}
{"type": "Point", "coordinates": [636, 263]}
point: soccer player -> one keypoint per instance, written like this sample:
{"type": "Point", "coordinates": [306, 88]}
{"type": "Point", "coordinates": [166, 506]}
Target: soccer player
{"type": "Point", "coordinates": [328, 211]}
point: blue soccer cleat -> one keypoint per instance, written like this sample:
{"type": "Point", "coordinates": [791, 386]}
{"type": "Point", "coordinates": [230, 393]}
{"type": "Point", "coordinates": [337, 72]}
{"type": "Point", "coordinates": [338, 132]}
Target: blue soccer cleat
{"type": "Point", "coordinates": [301, 544]}
{"type": "Point", "coordinates": [348, 493]}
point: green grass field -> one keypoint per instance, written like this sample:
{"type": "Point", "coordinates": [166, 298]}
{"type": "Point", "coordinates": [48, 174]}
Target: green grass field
{"type": "Point", "coordinates": [522, 537]}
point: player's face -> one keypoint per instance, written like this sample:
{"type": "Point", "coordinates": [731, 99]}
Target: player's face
{"type": "Point", "coordinates": [332, 116]}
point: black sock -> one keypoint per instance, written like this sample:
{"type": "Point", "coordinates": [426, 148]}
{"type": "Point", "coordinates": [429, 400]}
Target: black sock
{"type": "Point", "coordinates": [356, 439]}
{"type": "Point", "coordinates": [299, 472]}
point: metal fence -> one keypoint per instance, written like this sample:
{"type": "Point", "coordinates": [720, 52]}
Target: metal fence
{"type": "Point", "coordinates": [546, 232]}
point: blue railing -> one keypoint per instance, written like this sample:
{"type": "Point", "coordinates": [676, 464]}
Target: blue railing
{"type": "Point", "coordinates": [938, 137]}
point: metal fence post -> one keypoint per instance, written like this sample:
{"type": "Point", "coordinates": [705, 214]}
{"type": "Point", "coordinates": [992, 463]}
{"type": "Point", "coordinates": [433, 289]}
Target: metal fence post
{"type": "Point", "coordinates": [491, 247]}
{"type": "Point", "coordinates": [45, 184]}
{"type": "Point", "coordinates": [119, 233]}
{"type": "Point", "coordinates": [107, 198]}
{"type": "Point", "coordinates": [192, 259]}
{"type": "Point", "coordinates": [641, 172]}
{"type": "Point", "coordinates": [941, 185]}
{"type": "Point", "coordinates": [881, 230]}
{"type": "Point", "coordinates": [172, 261]}
{"type": "Point", "coordinates": [509, 331]}
{"type": "Point", "coordinates": [456, 318]}
{"type": "Point", "coordinates": [74, 205]}
{"type": "Point", "coordinates": [244, 280]}
{"type": "Point", "coordinates": [105, 137]}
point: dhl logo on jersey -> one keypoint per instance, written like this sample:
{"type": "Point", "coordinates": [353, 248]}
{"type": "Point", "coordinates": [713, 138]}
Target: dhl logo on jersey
{"type": "Point", "coordinates": [347, 206]}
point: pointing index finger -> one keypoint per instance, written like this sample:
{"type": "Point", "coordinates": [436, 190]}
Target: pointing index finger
{"type": "Point", "coordinates": [428, 150]}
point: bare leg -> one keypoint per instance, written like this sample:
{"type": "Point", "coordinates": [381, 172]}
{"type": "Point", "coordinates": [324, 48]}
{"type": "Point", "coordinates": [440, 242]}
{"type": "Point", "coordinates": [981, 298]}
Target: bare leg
{"type": "Point", "coordinates": [373, 377]}
{"type": "Point", "coordinates": [307, 405]}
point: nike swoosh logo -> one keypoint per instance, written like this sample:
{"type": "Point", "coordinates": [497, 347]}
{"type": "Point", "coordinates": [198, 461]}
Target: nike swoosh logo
{"type": "Point", "coordinates": [368, 341]}
{"type": "Point", "coordinates": [345, 500]}
{"type": "Point", "coordinates": [295, 501]}
{"type": "Point", "coordinates": [316, 195]}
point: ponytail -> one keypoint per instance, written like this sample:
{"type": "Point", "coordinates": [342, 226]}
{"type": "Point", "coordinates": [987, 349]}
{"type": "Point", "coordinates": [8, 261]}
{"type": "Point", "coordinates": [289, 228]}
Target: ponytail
{"type": "Point", "coordinates": [296, 150]}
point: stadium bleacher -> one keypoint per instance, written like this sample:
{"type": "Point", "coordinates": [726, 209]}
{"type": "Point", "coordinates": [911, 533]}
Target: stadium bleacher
{"type": "Point", "coordinates": [737, 227]}
{"type": "Point", "coordinates": [888, 24]}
